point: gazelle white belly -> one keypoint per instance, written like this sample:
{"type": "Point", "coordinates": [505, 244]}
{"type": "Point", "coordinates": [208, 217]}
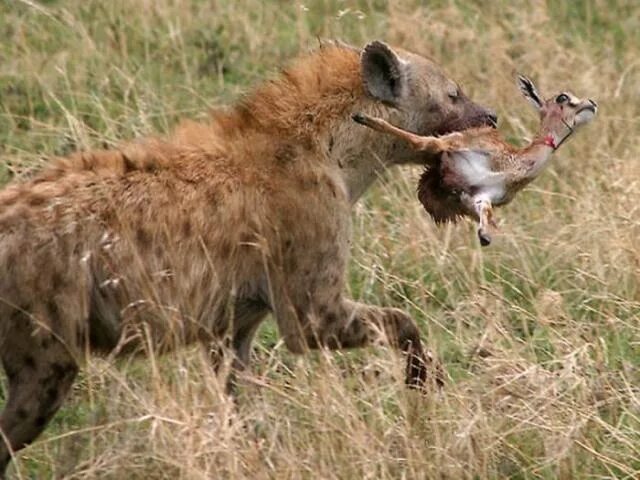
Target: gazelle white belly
{"type": "Point", "coordinates": [474, 166]}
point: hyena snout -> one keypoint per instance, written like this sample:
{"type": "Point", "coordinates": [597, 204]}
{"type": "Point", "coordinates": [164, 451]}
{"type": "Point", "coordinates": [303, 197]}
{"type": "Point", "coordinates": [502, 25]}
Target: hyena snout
{"type": "Point", "coordinates": [474, 115]}
{"type": "Point", "coordinates": [467, 115]}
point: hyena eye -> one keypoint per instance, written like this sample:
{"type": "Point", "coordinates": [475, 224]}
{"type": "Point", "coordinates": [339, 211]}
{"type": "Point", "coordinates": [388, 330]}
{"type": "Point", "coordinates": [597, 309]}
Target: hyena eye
{"type": "Point", "coordinates": [454, 93]}
{"type": "Point", "coordinates": [562, 98]}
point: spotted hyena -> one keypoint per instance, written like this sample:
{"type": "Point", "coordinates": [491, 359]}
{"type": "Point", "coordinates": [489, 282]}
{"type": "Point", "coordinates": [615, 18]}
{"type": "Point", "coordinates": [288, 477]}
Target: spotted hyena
{"type": "Point", "coordinates": [198, 236]}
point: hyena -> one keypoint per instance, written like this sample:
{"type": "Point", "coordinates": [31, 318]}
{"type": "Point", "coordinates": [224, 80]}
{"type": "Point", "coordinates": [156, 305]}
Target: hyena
{"type": "Point", "coordinates": [478, 170]}
{"type": "Point", "coordinates": [198, 236]}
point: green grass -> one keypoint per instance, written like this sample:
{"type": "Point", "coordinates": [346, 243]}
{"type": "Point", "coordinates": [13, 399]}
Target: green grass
{"type": "Point", "coordinates": [540, 333]}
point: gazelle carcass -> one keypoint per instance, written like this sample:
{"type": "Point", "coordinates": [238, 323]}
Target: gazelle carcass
{"type": "Point", "coordinates": [477, 169]}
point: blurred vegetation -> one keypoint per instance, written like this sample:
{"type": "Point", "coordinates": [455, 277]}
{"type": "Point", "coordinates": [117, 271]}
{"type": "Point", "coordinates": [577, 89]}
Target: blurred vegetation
{"type": "Point", "coordinates": [540, 333]}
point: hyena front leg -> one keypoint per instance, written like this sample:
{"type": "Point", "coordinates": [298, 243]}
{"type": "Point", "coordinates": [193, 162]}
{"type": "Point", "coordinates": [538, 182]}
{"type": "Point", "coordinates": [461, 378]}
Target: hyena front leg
{"type": "Point", "coordinates": [417, 142]}
{"type": "Point", "coordinates": [347, 324]}
{"type": "Point", "coordinates": [354, 325]}
{"type": "Point", "coordinates": [40, 371]}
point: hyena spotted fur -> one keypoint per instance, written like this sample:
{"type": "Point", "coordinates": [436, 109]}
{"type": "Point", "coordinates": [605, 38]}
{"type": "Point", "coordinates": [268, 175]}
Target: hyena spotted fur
{"type": "Point", "coordinates": [200, 235]}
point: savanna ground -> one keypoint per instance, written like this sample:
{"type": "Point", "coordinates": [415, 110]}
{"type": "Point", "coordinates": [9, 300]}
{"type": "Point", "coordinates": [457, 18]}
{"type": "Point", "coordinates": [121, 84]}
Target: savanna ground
{"type": "Point", "coordinates": [539, 333]}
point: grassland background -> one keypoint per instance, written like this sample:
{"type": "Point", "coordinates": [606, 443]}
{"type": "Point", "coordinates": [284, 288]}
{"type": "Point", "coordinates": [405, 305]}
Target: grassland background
{"type": "Point", "coordinates": [540, 333]}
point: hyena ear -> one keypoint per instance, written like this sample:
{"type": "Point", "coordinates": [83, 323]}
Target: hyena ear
{"type": "Point", "coordinates": [529, 90]}
{"type": "Point", "coordinates": [383, 73]}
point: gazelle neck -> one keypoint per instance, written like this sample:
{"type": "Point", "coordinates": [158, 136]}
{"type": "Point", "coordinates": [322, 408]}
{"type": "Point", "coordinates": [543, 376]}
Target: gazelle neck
{"type": "Point", "coordinates": [553, 136]}
{"type": "Point", "coordinates": [537, 154]}
{"type": "Point", "coordinates": [547, 141]}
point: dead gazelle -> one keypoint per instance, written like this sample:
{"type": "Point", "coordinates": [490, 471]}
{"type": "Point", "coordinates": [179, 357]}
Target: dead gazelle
{"type": "Point", "coordinates": [477, 169]}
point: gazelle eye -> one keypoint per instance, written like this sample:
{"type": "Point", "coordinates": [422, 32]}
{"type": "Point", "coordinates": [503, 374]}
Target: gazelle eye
{"type": "Point", "coordinates": [562, 98]}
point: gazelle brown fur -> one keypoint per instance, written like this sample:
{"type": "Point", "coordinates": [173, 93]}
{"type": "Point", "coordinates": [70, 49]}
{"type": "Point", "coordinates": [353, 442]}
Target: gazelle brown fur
{"type": "Point", "coordinates": [477, 169]}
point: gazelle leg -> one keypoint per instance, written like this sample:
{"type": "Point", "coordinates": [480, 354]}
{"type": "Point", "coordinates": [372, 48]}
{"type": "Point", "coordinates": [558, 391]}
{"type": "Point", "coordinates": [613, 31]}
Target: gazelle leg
{"type": "Point", "coordinates": [423, 144]}
{"type": "Point", "coordinates": [484, 211]}
{"type": "Point", "coordinates": [491, 219]}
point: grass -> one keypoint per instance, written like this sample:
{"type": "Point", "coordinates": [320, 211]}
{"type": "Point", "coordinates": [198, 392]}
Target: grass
{"type": "Point", "coordinates": [540, 333]}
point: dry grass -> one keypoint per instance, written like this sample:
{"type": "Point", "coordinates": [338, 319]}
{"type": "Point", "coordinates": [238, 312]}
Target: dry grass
{"type": "Point", "coordinates": [540, 333]}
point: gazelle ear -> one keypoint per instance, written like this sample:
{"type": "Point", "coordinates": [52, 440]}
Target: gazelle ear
{"type": "Point", "coordinates": [529, 90]}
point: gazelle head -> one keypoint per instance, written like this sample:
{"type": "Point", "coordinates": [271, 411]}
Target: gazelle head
{"type": "Point", "coordinates": [560, 114]}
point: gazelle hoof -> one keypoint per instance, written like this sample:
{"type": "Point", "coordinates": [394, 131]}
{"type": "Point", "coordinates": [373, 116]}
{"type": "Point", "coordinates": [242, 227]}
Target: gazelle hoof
{"type": "Point", "coordinates": [485, 238]}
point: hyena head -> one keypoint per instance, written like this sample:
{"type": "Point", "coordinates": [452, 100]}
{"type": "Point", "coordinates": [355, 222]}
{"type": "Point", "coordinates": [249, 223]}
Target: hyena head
{"type": "Point", "coordinates": [426, 101]}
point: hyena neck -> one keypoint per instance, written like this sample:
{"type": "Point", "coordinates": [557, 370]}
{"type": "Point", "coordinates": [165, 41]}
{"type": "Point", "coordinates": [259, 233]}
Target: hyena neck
{"type": "Point", "coordinates": [310, 104]}
{"type": "Point", "coordinates": [360, 155]}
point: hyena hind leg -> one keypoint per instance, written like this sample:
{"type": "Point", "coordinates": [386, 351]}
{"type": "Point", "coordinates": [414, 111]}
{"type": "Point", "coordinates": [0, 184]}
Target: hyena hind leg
{"type": "Point", "coordinates": [40, 371]}
{"type": "Point", "coordinates": [248, 317]}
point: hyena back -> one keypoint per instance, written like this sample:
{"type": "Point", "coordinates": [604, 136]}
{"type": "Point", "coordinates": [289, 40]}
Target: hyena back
{"type": "Point", "coordinates": [200, 236]}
